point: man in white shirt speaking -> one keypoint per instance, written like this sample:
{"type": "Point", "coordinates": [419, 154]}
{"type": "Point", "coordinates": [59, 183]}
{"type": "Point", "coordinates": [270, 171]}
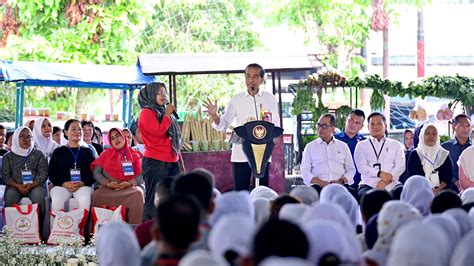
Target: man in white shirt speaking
{"type": "Point", "coordinates": [245, 107]}
{"type": "Point", "coordinates": [327, 160]}
{"type": "Point", "coordinates": [380, 160]}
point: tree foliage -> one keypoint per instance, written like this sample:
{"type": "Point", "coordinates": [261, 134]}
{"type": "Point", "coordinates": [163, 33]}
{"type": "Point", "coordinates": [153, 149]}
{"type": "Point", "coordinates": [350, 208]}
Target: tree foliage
{"type": "Point", "coordinates": [201, 27]}
{"type": "Point", "coordinates": [71, 31]}
{"type": "Point", "coordinates": [337, 29]}
{"type": "Point", "coordinates": [115, 32]}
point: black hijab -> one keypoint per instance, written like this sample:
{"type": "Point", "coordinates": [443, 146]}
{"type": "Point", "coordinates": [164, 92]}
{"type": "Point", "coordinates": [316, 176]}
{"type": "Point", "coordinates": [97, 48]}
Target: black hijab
{"type": "Point", "coordinates": [147, 99]}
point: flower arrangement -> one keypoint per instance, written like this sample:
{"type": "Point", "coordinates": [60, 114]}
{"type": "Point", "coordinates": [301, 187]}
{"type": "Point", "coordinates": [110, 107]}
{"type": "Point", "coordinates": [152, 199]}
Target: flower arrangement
{"type": "Point", "coordinates": [75, 253]}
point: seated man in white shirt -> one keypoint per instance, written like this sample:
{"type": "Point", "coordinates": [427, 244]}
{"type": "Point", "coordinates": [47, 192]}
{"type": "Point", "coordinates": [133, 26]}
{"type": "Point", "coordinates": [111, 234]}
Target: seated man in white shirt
{"type": "Point", "coordinates": [379, 160]}
{"type": "Point", "coordinates": [327, 160]}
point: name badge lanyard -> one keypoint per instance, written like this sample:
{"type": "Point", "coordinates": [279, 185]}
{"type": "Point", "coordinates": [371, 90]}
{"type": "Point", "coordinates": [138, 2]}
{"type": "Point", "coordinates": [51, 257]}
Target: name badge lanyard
{"type": "Point", "coordinates": [377, 155]}
{"type": "Point", "coordinates": [26, 159]}
{"type": "Point", "coordinates": [74, 155]}
{"type": "Point", "coordinates": [431, 162]}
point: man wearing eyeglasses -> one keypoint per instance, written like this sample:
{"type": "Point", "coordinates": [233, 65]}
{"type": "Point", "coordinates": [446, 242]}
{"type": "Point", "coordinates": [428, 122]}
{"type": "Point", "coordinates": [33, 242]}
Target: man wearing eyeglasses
{"type": "Point", "coordinates": [350, 135]}
{"type": "Point", "coordinates": [327, 160]}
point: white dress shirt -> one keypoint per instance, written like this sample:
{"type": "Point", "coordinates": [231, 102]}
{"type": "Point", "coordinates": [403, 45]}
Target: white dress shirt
{"type": "Point", "coordinates": [241, 110]}
{"type": "Point", "coordinates": [391, 159]}
{"type": "Point", "coordinates": [327, 162]}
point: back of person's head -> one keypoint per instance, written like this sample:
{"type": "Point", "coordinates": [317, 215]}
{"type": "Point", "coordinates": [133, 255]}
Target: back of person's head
{"type": "Point", "coordinates": [163, 189]}
{"type": "Point", "coordinates": [178, 219]}
{"type": "Point", "coordinates": [232, 237]}
{"type": "Point", "coordinates": [202, 257]}
{"type": "Point", "coordinates": [445, 200]}
{"type": "Point", "coordinates": [278, 203]}
{"type": "Point", "coordinates": [207, 174]}
{"type": "Point", "coordinates": [306, 194]}
{"type": "Point", "coordinates": [419, 244]}
{"type": "Point", "coordinates": [371, 202]}
{"type": "Point", "coordinates": [117, 245]}
{"type": "Point", "coordinates": [279, 238]}
{"type": "Point", "coordinates": [232, 202]}
{"type": "Point", "coordinates": [196, 185]}
{"type": "Point", "coordinates": [329, 259]}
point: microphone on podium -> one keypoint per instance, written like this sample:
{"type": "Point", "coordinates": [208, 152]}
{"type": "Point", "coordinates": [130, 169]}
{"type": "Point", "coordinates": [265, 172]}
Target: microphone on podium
{"type": "Point", "coordinates": [255, 102]}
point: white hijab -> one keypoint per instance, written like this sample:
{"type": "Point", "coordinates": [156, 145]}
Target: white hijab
{"type": "Point", "coordinates": [463, 254]}
{"type": "Point", "coordinates": [334, 213]}
{"type": "Point", "coordinates": [327, 237]}
{"type": "Point", "coordinates": [338, 194]}
{"type": "Point", "coordinates": [417, 191]}
{"type": "Point", "coordinates": [233, 232]}
{"type": "Point", "coordinates": [466, 162]}
{"type": "Point", "coordinates": [461, 217]}
{"type": "Point", "coordinates": [46, 145]}
{"type": "Point", "coordinates": [448, 225]}
{"type": "Point", "coordinates": [117, 245]}
{"type": "Point", "coordinates": [263, 192]}
{"type": "Point", "coordinates": [16, 148]}
{"type": "Point", "coordinates": [393, 215]}
{"type": "Point", "coordinates": [435, 153]}
{"type": "Point", "coordinates": [232, 202]}
{"type": "Point", "coordinates": [293, 212]}
{"type": "Point", "coordinates": [262, 210]}
{"type": "Point", "coordinates": [306, 194]}
{"type": "Point", "coordinates": [419, 244]}
{"type": "Point", "coordinates": [202, 257]}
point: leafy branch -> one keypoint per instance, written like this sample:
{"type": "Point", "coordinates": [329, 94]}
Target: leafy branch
{"type": "Point", "coordinates": [457, 87]}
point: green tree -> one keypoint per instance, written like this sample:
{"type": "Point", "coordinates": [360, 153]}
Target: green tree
{"type": "Point", "coordinates": [71, 31]}
{"type": "Point", "coordinates": [199, 27]}
{"type": "Point", "coordinates": [337, 28]}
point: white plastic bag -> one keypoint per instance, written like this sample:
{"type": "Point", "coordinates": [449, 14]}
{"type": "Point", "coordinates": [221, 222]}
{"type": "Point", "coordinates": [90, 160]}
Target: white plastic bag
{"type": "Point", "coordinates": [106, 215]}
{"type": "Point", "coordinates": [67, 225]}
{"type": "Point", "coordinates": [23, 221]}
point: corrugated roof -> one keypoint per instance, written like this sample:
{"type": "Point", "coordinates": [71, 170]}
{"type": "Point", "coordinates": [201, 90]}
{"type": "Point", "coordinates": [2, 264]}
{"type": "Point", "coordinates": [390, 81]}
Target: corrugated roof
{"type": "Point", "coordinates": [220, 63]}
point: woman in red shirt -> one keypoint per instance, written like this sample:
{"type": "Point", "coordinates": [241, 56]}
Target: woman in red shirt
{"type": "Point", "coordinates": [162, 138]}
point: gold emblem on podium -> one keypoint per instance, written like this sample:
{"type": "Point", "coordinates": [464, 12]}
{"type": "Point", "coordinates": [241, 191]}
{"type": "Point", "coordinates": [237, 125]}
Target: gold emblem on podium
{"type": "Point", "coordinates": [259, 132]}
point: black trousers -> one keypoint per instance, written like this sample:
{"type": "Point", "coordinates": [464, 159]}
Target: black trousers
{"type": "Point", "coordinates": [153, 171]}
{"type": "Point", "coordinates": [242, 173]}
{"type": "Point", "coordinates": [396, 191]}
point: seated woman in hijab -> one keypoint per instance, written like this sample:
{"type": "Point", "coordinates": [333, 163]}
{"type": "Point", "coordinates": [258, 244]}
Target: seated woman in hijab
{"type": "Point", "coordinates": [118, 170]}
{"type": "Point", "coordinates": [430, 160]}
{"type": "Point", "coordinates": [42, 134]}
{"type": "Point", "coordinates": [25, 169]}
{"type": "Point", "coordinates": [466, 168]}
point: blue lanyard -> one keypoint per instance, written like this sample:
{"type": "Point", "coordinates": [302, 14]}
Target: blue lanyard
{"type": "Point", "coordinates": [26, 159]}
{"type": "Point", "coordinates": [74, 155]}
{"type": "Point", "coordinates": [431, 162]}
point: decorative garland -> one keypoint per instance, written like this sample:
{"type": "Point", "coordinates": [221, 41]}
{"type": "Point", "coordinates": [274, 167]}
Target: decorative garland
{"type": "Point", "coordinates": [457, 87]}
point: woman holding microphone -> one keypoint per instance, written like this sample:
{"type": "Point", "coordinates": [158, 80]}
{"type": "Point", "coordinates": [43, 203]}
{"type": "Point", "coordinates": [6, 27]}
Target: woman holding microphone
{"type": "Point", "coordinates": [162, 138]}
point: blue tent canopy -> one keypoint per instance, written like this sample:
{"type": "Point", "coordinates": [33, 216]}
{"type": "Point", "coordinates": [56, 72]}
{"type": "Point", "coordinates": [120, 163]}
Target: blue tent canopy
{"type": "Point", "coordinates": [125, 78]}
